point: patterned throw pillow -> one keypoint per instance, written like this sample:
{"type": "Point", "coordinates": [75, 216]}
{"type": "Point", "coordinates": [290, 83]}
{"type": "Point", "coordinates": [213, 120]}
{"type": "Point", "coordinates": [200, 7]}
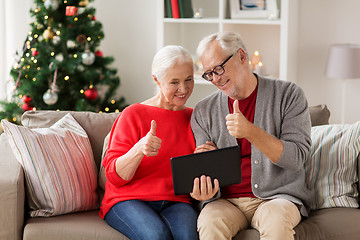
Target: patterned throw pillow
{"type": "Point", "coordinates": [331, 169]}
{"type": "Point", "coordinates": [58, 164]}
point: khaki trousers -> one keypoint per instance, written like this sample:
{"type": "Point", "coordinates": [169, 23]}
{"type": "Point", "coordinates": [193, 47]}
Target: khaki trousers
{"type": "Point", "coordinates": [274, 219]}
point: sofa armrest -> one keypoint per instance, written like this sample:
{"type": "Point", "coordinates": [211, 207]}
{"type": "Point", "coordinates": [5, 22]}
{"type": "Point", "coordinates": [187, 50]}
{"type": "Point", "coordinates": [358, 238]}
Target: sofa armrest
{"type": "Point", "coordinates": [12, 195]}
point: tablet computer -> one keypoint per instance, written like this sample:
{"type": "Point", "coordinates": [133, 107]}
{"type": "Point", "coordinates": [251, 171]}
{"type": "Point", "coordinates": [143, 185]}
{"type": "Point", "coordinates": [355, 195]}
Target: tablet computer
{"type": "Point", "coordinates": [223, 164]}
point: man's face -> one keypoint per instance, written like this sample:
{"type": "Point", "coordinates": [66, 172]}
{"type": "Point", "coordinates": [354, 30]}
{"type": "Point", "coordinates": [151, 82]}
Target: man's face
{"type": "Point", "coordinates": [227, 82]}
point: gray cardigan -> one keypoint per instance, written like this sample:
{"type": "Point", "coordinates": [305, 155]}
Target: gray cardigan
{"type": "Point", "coordinates": [282, 111]}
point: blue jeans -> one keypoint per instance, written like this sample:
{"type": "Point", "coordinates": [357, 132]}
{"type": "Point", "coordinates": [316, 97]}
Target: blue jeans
{"type": "Point", "coordinates": [154, 220]}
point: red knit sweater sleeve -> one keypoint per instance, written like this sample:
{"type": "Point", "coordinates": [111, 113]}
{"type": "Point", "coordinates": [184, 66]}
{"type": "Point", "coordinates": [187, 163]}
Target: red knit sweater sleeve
{"type": "Point", "coordinates": [124, 135]}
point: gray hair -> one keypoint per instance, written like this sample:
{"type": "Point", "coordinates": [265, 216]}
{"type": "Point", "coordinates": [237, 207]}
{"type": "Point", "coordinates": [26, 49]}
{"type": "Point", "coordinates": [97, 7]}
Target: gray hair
{"type": "Point", "coordinates": [167, 56]}
{"type": "Point", "coordinates": [230, 42]}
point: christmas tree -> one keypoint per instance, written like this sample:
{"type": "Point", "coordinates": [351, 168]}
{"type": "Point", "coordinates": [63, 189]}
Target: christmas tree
{"type": "Point", "coordinates": [61, 66]}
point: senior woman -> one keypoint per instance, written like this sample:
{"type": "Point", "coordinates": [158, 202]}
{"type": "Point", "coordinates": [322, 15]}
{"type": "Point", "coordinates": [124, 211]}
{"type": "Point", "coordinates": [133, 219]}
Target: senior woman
{"type": "Point", "coordinates": [139, 198]}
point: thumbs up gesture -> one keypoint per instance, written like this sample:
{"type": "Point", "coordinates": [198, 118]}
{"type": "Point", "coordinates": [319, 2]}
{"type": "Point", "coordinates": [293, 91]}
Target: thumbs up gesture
{"type": "Point", "coordinates": [150, 144]}
{"type": "Point", "coordinates": [236, 123]}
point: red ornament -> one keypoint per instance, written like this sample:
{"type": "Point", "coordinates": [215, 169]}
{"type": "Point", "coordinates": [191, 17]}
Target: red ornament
{"type": "Point", "coordinates": [99, 53]}
{"type": "Point", "coordinates": [94, 18]}
{"type": "Point", "coordinates": [35, 53]}
{"type": "Point", "coordinates": [91, 94]}
{"type": "Point", "coordinates": [26, 99]}
{"type": "Point", "coordinates": [71, 11]}
{"type": "Point", "coordinates": [26, 107]}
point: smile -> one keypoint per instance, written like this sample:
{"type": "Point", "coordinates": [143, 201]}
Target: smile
{"type": "Point", "coordinates": [222, 85]}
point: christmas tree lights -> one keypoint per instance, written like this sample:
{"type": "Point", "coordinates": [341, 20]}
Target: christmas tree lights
{"type": "Point", "coordinates": [61, 65]}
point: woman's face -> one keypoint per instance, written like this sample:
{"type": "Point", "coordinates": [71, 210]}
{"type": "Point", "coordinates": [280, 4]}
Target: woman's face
{"type": "Point", "coordinates": [176, 86]}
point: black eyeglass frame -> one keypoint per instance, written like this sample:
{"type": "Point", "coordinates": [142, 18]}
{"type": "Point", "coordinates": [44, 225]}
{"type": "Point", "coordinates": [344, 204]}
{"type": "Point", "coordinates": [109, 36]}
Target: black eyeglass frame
{"type": "Point", "coordinates": [208, 75]}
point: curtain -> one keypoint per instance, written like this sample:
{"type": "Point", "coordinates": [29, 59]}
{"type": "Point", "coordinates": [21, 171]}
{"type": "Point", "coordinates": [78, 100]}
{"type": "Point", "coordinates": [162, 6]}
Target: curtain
{"type": "Point", "coordinates": [14, 27]}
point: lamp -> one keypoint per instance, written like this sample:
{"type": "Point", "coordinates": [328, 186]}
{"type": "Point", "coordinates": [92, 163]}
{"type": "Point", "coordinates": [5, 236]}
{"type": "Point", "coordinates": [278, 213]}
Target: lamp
{"type": "Point", "coordinates": [343, 63]}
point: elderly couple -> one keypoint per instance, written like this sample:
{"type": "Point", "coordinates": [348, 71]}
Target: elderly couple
{"type": "Point", "coordinates": [267, 118]}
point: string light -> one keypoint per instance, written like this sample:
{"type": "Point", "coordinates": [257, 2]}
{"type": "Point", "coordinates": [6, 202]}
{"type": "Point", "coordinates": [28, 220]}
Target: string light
{"type": "Point", "coordinates": [58, 32]}
{"type": "Point", "coordinates": [82, 91]}
{"type": "Point", "coordinates": [76, 19]}
{"type": "Point", "coordinates": [46, 17]}
{"type": "Point", "coordinates": [89, 39]}
{"type": "Point", "coordinates": [52, 54]}
{"type": "Point", "coordinates": [75, 55]}
{"type": "Point", "coordinates": [66, 78]}
{"type": "Point", "coordinates": [113, 101]}
{"type": "Point", "coordinates": [107, 109]}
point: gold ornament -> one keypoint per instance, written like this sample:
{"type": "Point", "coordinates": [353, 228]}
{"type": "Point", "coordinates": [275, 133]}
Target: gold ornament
{"type": "Point", "coordinates": [48, 34]}
{"type": "Point", "coordinates": [83, 3]}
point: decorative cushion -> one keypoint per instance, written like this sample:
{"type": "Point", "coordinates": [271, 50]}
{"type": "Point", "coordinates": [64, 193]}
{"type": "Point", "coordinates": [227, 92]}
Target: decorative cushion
{"type": "Point", "coordinates": [59, 167]}
{"type": "Point", "coordinates": [331, 169]}
{"type": "Point", "coordinates": [319, 115]}
{"type": "Point", "coordinates": [96, 125]}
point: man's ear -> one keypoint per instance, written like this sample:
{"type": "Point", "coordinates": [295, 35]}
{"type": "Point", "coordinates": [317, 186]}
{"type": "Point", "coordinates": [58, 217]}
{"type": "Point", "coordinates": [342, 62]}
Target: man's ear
{"type": "Point", "coordinates": [242, 54]}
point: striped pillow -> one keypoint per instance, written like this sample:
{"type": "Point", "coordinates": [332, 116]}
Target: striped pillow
{"type": "Point", "coordinates": [59, 166]}
{"type": "Point", "coordinates": [331, 169]}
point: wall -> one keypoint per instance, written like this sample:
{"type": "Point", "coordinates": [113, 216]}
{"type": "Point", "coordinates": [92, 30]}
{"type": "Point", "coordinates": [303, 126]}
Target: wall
{"type": "Point", "coordinates": [322, 23]}
{"type": "Point", "coordinates": [130, 37]}
{"type": "Point", "coordinates": [13, 31]}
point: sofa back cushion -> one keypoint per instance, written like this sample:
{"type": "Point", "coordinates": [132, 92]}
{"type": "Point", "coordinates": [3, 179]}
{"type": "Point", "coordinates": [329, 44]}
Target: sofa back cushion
{"type": "Point", "coordinates": [96, 125]}
{"type": "Point", "coordinates": [319, 115]}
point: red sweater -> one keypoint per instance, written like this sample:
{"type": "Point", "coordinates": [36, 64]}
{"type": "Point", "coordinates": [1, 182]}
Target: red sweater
{"type": "Point", "coordinates": [152, 180]}
{"type": "Point", "coordinates": [247, 107]}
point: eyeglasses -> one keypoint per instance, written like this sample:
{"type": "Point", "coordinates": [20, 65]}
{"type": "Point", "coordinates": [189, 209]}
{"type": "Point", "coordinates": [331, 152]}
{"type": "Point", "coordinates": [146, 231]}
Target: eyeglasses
{"type": "Point", "coordinates": [218, 70]}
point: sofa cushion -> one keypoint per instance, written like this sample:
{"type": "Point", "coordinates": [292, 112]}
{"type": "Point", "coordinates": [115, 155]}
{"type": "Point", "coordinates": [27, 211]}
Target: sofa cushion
{"type": "Point", "coordinates": [96, 125]}
{"type": "Point", "coordinates": [82, 225]}
{"type": "Point", "coordinates": [59, 166]}
{"type": "Point", "coordinates": [331, 169]}
{"type": "Point", "coordinates": [319, 115]}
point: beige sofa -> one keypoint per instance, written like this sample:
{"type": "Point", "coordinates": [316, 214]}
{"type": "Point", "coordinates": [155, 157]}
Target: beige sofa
{"type": "Point", "coordinates": [329, 224]}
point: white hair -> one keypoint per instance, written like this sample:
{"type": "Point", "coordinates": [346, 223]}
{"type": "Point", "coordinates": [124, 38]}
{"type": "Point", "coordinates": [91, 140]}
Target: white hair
{"type": "Point", "coordinates": [230, 42]}
{"type": "Point", "coordinates": [167, 57]}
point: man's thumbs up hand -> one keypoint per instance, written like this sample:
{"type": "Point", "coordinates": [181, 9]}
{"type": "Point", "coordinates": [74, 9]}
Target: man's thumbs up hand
{"type": "Point", "coordinates": [236, 123]}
